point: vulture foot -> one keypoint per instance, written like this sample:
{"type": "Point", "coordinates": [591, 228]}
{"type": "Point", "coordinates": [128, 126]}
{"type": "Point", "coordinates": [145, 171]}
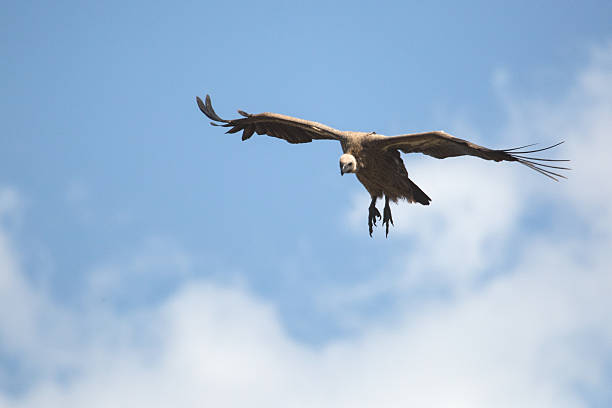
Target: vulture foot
{"type": "Point", "coordinates": [387, 218]}
{"type": "Point", "coordinates": [373, 213]}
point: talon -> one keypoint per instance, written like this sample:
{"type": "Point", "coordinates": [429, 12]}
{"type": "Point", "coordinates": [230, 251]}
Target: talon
{"type": "Point", "coordinates": [373, 213]}
{"type": "Point", "coordinates": [387, 218]}
{"type": "Point", "coordinates": [370, 225]}
{"type": "Point", "coordinates": [376, 215]}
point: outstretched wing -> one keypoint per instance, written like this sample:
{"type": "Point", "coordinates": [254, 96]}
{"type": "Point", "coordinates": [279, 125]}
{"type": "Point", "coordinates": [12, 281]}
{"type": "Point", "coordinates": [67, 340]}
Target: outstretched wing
{"type": "Point", "coordinates": [291, 129]}
{"type": "Point", "coordinates": [442, 145]}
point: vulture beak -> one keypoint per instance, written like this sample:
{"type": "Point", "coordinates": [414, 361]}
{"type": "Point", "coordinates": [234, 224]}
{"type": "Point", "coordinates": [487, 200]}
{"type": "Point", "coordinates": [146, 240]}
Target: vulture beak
{"type": "Point", "coordinates": [341, 172]}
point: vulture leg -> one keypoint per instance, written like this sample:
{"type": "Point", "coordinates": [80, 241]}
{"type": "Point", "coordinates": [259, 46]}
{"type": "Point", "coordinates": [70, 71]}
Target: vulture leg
{"type": "Point", "coordinates": [387, 216]}
{"type": "Point", "coordinates": [373, 213]}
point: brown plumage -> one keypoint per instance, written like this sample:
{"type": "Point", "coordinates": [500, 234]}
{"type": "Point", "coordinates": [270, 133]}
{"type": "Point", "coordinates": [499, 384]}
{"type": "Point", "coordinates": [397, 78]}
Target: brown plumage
{"type": "Point", "coordinates": [375, 159]}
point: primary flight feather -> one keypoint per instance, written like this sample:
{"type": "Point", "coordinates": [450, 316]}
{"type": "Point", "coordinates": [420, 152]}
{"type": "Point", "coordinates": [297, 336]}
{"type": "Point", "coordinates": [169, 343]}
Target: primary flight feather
{"type": "Point", "coordinates": [375, 159]}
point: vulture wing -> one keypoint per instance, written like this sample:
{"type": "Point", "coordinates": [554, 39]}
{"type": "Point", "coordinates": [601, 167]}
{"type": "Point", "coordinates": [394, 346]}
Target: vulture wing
{"type": "Point", "coordinates": [293, 130]}
{"type": "Point", "coordinates": [442, 145]}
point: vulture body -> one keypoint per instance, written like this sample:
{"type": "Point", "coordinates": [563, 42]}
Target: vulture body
{"type": "Point", "coordinates": [375, 159]}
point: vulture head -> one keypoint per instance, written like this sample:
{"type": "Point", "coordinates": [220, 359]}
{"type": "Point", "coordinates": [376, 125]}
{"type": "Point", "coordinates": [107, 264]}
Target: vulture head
{"type": "Point", "coordinates": [348, 164]}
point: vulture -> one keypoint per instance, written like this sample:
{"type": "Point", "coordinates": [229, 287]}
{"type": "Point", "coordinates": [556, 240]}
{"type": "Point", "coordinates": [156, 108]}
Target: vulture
{"type": "Point", "coordinates": [375, 159]}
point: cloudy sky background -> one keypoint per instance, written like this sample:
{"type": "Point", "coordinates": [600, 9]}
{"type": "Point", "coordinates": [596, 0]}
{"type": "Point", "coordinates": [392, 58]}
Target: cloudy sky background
{"type": "Point", "coordinates": [146, 259]}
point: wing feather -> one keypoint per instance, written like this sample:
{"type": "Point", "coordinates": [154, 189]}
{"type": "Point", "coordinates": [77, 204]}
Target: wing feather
{"type": "Point", "coordinates": [235, 129]}
{"type": "Point", "coordinates": [260, 129]}
{"type": "Point", "coordinates": [248, 132]}
{"type": "Point", "coordinates": [279, 132]}
{"type": "Point", "coordinates": [442, 145]}
{"type": "Point", "coordinates": [293, 130]}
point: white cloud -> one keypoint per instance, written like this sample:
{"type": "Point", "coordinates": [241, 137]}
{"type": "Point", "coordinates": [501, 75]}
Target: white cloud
{"type": "Point", "coordinates": [533, 336]}
{"type": "Point", "coordinates": [523, 341]}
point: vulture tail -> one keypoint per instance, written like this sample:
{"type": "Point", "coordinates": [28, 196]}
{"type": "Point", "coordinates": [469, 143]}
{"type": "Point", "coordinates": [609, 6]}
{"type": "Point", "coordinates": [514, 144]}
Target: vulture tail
{"type": "Point", "coordinates": [418, 195]}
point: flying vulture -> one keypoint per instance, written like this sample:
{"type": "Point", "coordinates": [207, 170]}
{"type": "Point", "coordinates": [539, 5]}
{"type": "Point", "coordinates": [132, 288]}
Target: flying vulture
{"type": "Point", "coordinates": [375, 159]}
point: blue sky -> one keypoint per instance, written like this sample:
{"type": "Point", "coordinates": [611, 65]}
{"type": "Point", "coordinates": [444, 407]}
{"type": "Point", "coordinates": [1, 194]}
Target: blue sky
{"type": "Point", "coordinates": [138, 244]}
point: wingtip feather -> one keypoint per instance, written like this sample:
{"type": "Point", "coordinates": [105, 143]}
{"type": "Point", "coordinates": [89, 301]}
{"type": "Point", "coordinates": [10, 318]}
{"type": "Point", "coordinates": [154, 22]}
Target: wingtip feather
{"type": "Point", "coordinates": [201, 105]}
{"type": "Point", "coordinates": [207, 109]}
{"type": "Point", "coordinates": [535, 163]}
